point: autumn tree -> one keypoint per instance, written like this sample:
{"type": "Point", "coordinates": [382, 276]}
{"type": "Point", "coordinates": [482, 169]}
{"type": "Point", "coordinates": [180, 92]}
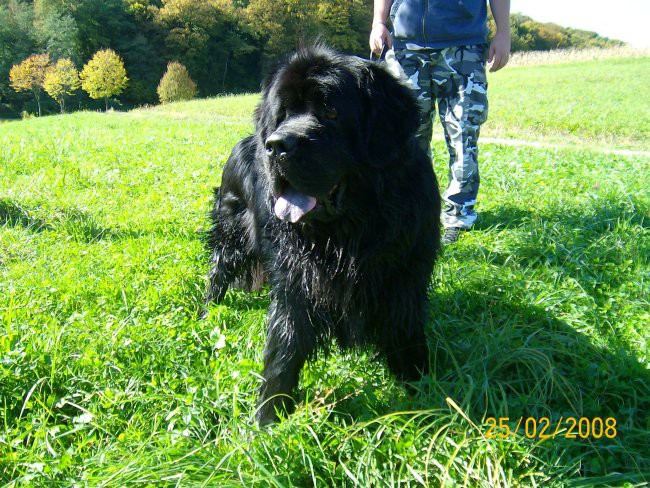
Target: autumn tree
{"type": "Point", "coordinates": [62, 79]}
{"type": "Point", "coordinates": [104, 75]}
{"type": "Point", "coordinates": [176, 84]}
{"type": "Point", "coordinates": [29, 75]}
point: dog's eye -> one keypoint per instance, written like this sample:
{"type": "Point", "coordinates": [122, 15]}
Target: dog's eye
{"type": "Point", "coordinates": [331, 113]}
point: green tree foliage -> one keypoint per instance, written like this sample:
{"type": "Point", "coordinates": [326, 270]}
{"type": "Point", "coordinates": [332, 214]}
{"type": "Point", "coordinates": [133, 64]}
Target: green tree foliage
{"type": "Point", "coordinates": [119, 25]}
{"type": "Point", "coordinates": [344, 24]}
{"type": "Point", "coordinates": [55, 31]}
{"type": "Point", "coordinates": [27, 28]}
{"type": "Point", "coordinates": [29, 75]}
{"type": "Point", "coordinates": [284, 25]}
{"type": "Point", "coordinates": [143, 10]}
{"type": "Point", "coordinates": [176, 84]}
{"type": "Point", "coordinates": [208, 36]}
{"type": "Point", "coordinates": [104, 75]}
{"type": "Point", "coordinates": [61, 80]}
{"type": "Point", "coordinates": [16, 43]}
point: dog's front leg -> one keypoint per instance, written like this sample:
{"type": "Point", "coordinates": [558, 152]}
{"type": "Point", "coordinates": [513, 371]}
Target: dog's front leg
{"type": "Point", "coordinates": [290, 341]}
{"type": "Point", "coordinates": [401, 318]}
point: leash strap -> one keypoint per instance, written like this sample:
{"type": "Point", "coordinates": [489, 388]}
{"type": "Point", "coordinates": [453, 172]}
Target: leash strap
{"type": "Point", "coordinates": [375, 58]}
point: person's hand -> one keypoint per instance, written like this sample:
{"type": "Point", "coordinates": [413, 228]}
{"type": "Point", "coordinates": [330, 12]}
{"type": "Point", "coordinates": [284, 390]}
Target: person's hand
{"type": "Point", "coordinates": [379, 36]}
{"type": "Point", "coordinates": [499, 52]}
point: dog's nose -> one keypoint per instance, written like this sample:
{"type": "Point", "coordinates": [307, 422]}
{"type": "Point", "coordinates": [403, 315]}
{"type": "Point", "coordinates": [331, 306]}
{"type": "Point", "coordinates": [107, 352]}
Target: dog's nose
{"type": "Point", "coordinates": [280, 145]}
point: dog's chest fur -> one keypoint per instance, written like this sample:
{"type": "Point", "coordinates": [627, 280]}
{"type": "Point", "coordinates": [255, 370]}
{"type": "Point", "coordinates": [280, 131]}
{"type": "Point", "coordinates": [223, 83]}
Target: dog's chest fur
{"type": "Point", "coordinates": [336, 276]}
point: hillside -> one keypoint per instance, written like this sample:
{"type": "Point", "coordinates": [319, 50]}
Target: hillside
{"type": "Point", "coordinates": [226, 45]}
{"type": "Point", "coordinates": [530, 35]}
{"type": "Point", "coordinates": [539, 316]}
{"type": "Point", "coordinates": [573, 103]}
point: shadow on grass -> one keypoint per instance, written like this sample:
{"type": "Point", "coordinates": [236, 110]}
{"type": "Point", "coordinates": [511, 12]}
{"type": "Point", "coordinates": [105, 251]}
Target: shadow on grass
{"type": "Point", "coordinates": [505, 359]}
{"type": "Point", "coordinates": [601, 247]}
{"type": "Point", "coordinates": [78, 224]}
{"type": "Point", "coordinates": [14, 215]}
{"type": "Point", "coordinates": [244, 301]}
{"type": "Point", "coordinates": [496, 354]}
{"type": "Point", "coordinates": [500, 358]}
{"type": "Point", "coordinates": [601, 218]}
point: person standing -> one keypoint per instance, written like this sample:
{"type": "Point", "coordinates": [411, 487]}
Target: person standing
{"type": "Point", "coordinates": [442, 48]}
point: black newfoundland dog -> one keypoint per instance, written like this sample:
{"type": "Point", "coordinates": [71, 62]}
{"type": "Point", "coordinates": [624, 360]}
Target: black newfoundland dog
{"type": "Point", "coordinates": [332, 202]}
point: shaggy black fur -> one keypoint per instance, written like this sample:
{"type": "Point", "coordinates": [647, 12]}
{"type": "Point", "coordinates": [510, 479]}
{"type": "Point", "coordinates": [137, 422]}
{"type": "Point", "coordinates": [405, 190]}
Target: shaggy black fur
{"type": "Point", "coordinates": [333, 202]}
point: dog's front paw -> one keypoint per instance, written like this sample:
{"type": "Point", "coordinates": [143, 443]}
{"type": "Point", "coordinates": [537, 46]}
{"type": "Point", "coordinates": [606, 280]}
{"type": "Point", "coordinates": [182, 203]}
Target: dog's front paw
{"type": "Point", "coordinates": [270, 409]}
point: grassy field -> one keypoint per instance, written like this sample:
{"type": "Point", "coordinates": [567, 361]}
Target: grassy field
{"type": "Point", "coordinates": [107, 377]}
{"type": "Point", "coordinates": [602, 103]}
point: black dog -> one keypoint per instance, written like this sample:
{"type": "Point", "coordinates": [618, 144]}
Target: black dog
{"type": "Point", "coordinates": [333, 202]}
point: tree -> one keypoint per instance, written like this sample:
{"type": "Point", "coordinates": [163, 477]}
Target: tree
{"type": "Point", "coordinates": [16, 21]}
{"type": "Point", "coordinates": [55, 32]}
{"type": "Point", "coordinates": [29, 75]}
{"type": "Point", "coordinates": [176, 84]}
{"type": "Point", "coordinates": [104, 75]}
{"type": "Point", "coordinates": [102, 24]}
{"type": "Point", "coordinates": [126, 27]}
{"type": "Point", "coordinates": [206, 36]}
{"type": "Point", "coordinates": [62, 79]}
{"type": "Point", "coordinates": [283, 24]}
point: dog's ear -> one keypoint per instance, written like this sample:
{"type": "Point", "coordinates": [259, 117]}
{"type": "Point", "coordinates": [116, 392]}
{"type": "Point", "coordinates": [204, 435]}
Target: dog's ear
{"type": "Point", "coordinates": [263, 117]}
{"type": "Point", "coordinates": [263, 114]}
{"type": "Point", "coordinates": [393, 116]}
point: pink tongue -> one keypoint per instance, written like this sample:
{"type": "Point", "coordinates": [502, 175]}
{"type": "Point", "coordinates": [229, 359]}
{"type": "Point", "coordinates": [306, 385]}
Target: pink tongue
{"type": "Point", "coordinates": [293, 205]}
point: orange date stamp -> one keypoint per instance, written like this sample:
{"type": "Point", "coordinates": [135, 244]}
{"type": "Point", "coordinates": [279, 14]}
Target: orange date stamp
{"type": "Point", "coordinates": [545, 428]}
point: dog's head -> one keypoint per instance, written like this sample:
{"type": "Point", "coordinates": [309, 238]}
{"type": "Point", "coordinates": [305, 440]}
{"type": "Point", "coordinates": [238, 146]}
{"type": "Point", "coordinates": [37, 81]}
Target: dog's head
{"type": "Point", "coordinates": [323, 118]}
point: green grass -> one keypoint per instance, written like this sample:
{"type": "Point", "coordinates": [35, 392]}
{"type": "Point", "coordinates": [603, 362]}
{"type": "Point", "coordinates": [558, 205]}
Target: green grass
{"type": "Point", "coordinates": [107, 377]}
{"type": "Point", "coordinates": [602, 102]}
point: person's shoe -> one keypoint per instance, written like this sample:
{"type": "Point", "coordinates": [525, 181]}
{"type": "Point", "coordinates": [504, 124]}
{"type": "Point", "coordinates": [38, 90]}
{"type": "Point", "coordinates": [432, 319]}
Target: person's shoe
{"type": "Point", "coordinates": [451, 235]}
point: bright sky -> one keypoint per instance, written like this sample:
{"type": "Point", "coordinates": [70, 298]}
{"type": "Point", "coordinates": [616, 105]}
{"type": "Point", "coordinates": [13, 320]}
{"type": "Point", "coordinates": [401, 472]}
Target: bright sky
{"type": "Point", "coordinates": [626, 20]}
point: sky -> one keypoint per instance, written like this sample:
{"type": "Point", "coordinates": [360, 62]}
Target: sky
{"type": "Point", "coordinates": [626, 20]}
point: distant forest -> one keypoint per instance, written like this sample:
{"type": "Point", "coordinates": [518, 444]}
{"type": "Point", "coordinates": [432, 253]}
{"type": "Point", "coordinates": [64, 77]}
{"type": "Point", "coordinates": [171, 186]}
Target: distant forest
{"type": "Point", "coordinates": [226, 45]}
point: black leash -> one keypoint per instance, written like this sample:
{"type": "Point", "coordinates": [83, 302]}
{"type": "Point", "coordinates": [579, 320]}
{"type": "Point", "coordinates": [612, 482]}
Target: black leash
{"type": "Point", "coordinates": [375, 58]}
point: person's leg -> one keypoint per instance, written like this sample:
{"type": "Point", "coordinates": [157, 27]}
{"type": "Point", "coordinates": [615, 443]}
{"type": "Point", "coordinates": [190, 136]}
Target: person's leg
{"type": "Point", "coordinates": [417, 68]}
{"type": "Point", "coordinates": [460, 87]}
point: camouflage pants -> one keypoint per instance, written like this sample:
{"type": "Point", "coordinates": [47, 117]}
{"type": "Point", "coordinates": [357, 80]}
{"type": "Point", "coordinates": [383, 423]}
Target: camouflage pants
{"type": "Point", "coordinates": [454, 78]}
